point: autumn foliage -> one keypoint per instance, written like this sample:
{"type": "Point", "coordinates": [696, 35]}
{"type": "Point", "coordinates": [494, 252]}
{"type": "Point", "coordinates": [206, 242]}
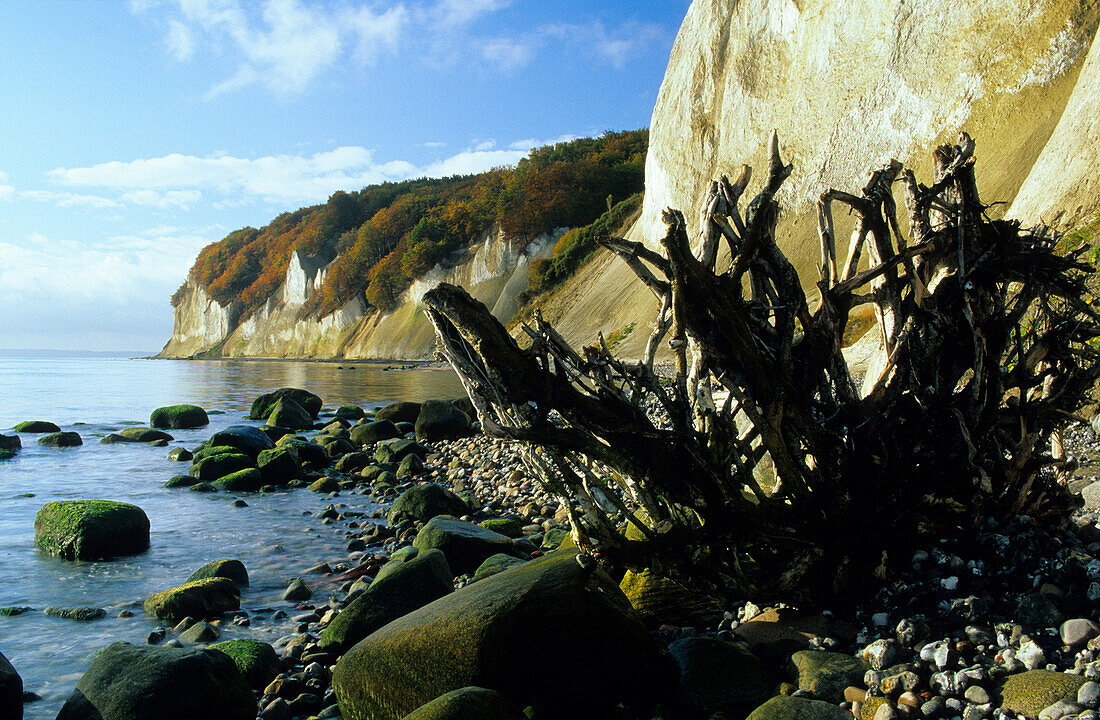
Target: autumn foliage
{"type": "Point", "coordinates": [384, 236]}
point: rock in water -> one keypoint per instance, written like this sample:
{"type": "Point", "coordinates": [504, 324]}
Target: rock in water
{"type": "Point", "coordinates": [232, 569]}
{"type": "Point", "coordinates": [482, 634]}
{"type": "Point", "coordinates": [11, 691]}
{"type": "Point", "coordinates": [256, 660]}
{"type": "Point", "coordinates": [468, 703]}
{"type": "Point", "coordinates": [423, 502]}
{"type": "Point", "coordinates": [84, 614]}
{"type": "Point", "coordinates": [179, 417]}
{"type": "Point", "coordinates": [215, 467]}
{"type": "Point", "coordinates": [11, 443]}
{"type": "Point", "coordinates": [288, 414]}
{"type": "Point", "coordinates": [399, 412]}
{"type": "Point", "coordinates": [127, 682]}
{"type": "Point", "coordinates": [297, 590]}
{"type": "Point", "coordinates": [279, 466]}
{"type": "Point", "coordinates": [263, 405]}
{"type": "Point", "coordinates": [247, 439]}
{"type": "Point", "coordinates": [204, 598]}
{"type": "Point", "coordinates": [36, 426]}
{"type": "Point", "coordinates": [91, 529]}
{"type": "Point", "coordinates": [61, 439]}
{"type": "Point", "coordinates": [145, 435]}
{"type": "Point", "coordinates": [440, 420]}
{"type": "Point", "coordinates": [372, 432]}
{"type": "Point", "coordinates": [465, 545]}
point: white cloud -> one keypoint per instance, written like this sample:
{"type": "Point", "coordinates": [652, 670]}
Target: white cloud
{"type": "Point", "coordinates": [6, 191]}
{"type": "Point", "coordinates": [473, 161]}
{"type": "Point", "coordinates": [617, 46]}
{"type": "Point", "coordinates": [180, 41]}
{"type": "Point", "coordinates": [451, 13]}
{"type": "Point", "coordinates": [509, 53]}
{"type": "Point", "coordinates": [163, 200]}
{"type": "Point", "coordinates": [67, 199]}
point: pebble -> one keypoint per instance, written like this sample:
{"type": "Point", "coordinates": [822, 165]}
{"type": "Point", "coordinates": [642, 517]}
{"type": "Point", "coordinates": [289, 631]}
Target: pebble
{"type": "Point", "coordinates": [1060, 709]}
{"type": "Point", "coordinates": [1089, 694]}
{"type": "Point", "coordinates": [1076, 632]}
{"type": "Point", "coordinates": [976, 694]}
{"type": "Point", "coordinates": [880, 654]}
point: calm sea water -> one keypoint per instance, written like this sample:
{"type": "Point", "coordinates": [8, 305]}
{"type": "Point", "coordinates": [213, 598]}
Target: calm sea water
{"type": "Point", "coordinates": [275, 536]}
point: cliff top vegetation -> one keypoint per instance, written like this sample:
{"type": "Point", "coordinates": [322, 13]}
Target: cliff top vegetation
{"type": "Point", "coordinates": [384, 236]}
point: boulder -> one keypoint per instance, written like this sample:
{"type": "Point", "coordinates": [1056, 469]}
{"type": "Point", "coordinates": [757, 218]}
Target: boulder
{"type": "Point", "coordinates": [145, 435]}
{"type": "Point", "coordinates": [288, 414]}
{"type": "Point", "coordinates": [465, 544]}
{"type": "Point", "coordinates": [179, 417]}
{"type": "Point", "coordinates": [232, 569]}
{"type": "Point", "coordinates": [325, 485]}
{"type": "Point", "coordinates": [782, 707]}
{"type": "Point", "coordinates": [353, 462]}
{"type": "Point", "coordinates": [410, 466]}
{"type": "Point", "coordinates": [204, 598]}
{"type": "Point", "coordinates": [297, 590]}
{"type": "Point", "coordinates": [495, 564]}
{"type": "Point", "coordinates": [11, 443]}
{"type": "Point", "coordinates": [6, 454]}
{"type": "Point", "coordinates": [440, 420]}
{"type": "Point", "coordinates": [468, 703]}
{"type": "Point", "coordinates": [334, 447]}
{"type": "Point", "coordinates": [180, 454]}
{"type": "Point", "coordinates": [465, 405]}
{"type": "Point", "coordinates": [510, 526]}
{"type": "Point", "coordinates": [207, 450]}
{"type": "Point", "coordinates": [720, 677]}
{"type": "Point", "coordinates": [214, 467]}
{"type": "Point", "coordinates": [82, 614]}
{"type": "Point", "coordinates": [399, 412]}
{"type": "Point", "coordinates": [247, 480]}
{"type": "Point", "coordinates": [404, 588]}
{"type": "Point", "coordinates": [372, 432]}
{"type": "Point", "coordinates": [311, 456]}
{"type": "Point", "coordinates": [128, 682]}
{"type": "Point", "coordinates": [394, 451]}
{"type": "Point", "coordinates": [278, 466]}
{"type": "Point", "coordinates": [263, 405]}
{"type": "Point", "coordinates": [482, 635]}
{"type": "Point", "coordinates": [180, 481]}
{"type": "Point", "coordinates": [659, 599]}
{"type": "Point", "coordinates": [350, 413]}
{"type": "Point", "coordinates": [256, 661]}
{"type": "Point", "coordinates": [61, 439]}
{"type": "Point", "coordinates": [423, 502]}
{"type": "Point", "coordinates": [115, 439]}
{"type": "Point", "coordinates": [11, 691]}
{"type": "Point", "coordinates": [1029, 693]}
{"type": "Point", "coordinates": [826, 674]}
{"type": "Point", "coordinates": [36, 426]}
{"type": "Point", "coordinates": [247, 439]}
{"type": "Point", "coordinates": [90, 529]}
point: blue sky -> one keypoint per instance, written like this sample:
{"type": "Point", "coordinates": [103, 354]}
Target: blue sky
{"type": "Point", "coordinates": [133, 134]}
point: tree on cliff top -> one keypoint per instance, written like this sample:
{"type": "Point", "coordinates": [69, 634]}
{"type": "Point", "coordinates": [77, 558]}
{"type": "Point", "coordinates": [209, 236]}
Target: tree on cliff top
{"type": "Point", "coordinates": [989, 347]}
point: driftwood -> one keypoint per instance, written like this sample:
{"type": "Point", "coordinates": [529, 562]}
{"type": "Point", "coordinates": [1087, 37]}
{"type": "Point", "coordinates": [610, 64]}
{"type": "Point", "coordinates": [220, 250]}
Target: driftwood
{"type": "Point", "coordinates": [797, 483]}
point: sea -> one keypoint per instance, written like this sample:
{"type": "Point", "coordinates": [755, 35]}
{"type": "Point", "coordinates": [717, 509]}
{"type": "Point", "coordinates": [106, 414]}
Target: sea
{"type": "Point", "coordinates": [278, 536]}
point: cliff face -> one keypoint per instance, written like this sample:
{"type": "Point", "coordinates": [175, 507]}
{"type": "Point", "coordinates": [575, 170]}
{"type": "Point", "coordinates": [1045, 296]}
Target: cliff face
{"type": "Point", "coordinates": [494, 270]}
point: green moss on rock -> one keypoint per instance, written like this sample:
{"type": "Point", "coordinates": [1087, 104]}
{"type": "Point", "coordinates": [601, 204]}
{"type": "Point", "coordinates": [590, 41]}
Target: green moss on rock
{"type": "Point", "coordinates": [204, 598]}
{"type": "Point", "coordinates": [90, 529]}
{"type": "Point", "coordinates": [247, 480]}
{"type": "Point", "coordinates": [61, 439]}
{"type": "Point", "coordinates": [231, 568]}
{"type": "Point", "coordinates": [36, 426]}
{"type": "Point", "coordinates": [215, 467]}
{"type": "Point", "coordinates": [179, 417]}
{"type": "Point", "coordinates": [826, 674]}
{"type": "Point", "coordinates": [468, 703]}
{"type": "Point", "coordinates": [659, 599]}
{"type": "Point", "coordinates": [256, 661]}
{"type": "Point", "coordinates": [145, 435]}
{"type": "Point", "coordinates": [1028, 693]}
{"type": "Point", "coordinates": [782, 707]}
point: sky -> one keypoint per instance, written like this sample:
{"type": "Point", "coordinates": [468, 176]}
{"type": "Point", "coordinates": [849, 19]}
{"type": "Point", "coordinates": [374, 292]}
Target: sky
{"type": "Point", "coordinates": [133, 134]}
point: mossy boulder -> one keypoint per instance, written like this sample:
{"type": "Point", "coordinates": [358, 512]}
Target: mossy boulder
{"type": "Point", "coordinates": [468, 703]}
{"type": "Point", "coordinates": [310, 455]}
{"type": "Point", "coordinates": [659, 599]}
{"type": "Point", "coordinates": [495, 564]}
{"type": "Point", "coordinates": [481, 636]}
{"type": "Point", "coordinates": [423, 502]}
{"type": "Point", "coordinates": [826, 674]}
{"type": "Point", "coordinates": [61, 439]}
{"type": "Point", "coordinates": [145, 435]}
{"type": "Point", "coordinates": [90, 529]}
{"type": "Point", "coordinates": [129, 682]}
{"type": "Point", "coordinates": [81, 614]}
{"type": "Point", "coordinates": [11, 691]}
{"type": "Point", "coordinates": [509, 526]}
{"type": "Point", "coordinates": [782, 707]}
{"type": "Point", "coordinates": [179, 417]}
{"type": "Point", "coordinates": [325, 485]}
{"type": "Point", "coordinates": [36, 426]}
{"type": "Point", "coordinates": [206, 450]}
{"type": "Point", "coordinates": [180, 454]}
{"type": "Point", "coordinates": [371, 432]}
{"type": "Point", "coordinates": [256, 660]}
{"type": "Point", "coordinates": [247, 439]}
{"type": "Point", "coordinates": [1029, 693]}
{"type": "Point", "coordinates": [204, 598]}
{"type": "Point", "coordinates": [231, 568]}
{"type": "Point", "coordinates": [410, 466]}
{"type": "Point", "coordinates": [177, 481]}
{"type": "Point", "coordinates": [399, 412]}
{"type": "Point", "coordinates": [441, 420]}
{"type": "Point", "coordinates": [406, 587]}
{"type": "Point", "coordinates": [279, 466]}
{"type": "Point", "coordinates": [214, 467]}
{"type": "Point", "coordinates": [11, 443]}
{"type": "Point", "coordinates": [247, 480]}
{"type": "Point", "coordinates": [6, 454]}
{"type": "Point", "coordinates": [264, 404]}
{"type": "Point", "coordinates": [394, 451]}
{"type": "Point", "coordinates": [288, 414]}
{"type": "Point", "coordinates": [720, 677]}
{"type": "Point", "coordinates": [465, 544]}
{"type": "Point", "coordinates": [350, 413]}
{"type": "Point", "coordinates": [353, 462]}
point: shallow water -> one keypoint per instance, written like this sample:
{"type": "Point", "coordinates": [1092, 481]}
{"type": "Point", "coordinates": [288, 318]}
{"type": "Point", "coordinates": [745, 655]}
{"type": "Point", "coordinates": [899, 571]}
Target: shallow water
{"type": "Point", "coordinates": [275, 536]}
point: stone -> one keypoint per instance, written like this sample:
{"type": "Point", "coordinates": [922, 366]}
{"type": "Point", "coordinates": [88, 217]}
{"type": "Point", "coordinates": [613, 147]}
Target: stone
{"type": "Point", "coordinates": [11, 443]}
{"type": "Point", "coordinates": [128, 682]}
{"type": "Point", "coordinates": [200, 632]}
{"type": "Point", "coordinates": [1060, 709]}
{"type": "Point", "coordinates": [399, 412]}
{"type": "Point", "coordinates": [421, 503]}
{"type": "Point", "coordinates": [180, 481]}
{"type": "Point", "coordinates": [232, 569]}
{"type": "Point", "coordinates": [1037, 611]}
{"type": "Point", "coordinates": [83, 614]}
{"type": "Point", "coordinates": [247, 480]}
{"type": "Point", "coordinates": [145, 435]}
{"type": "Point", "coordinates": [1091, 494]}
{"type": "Point", "coordinates": [350, 413]}
{"type": "Point", "coordinates": [11, 691]}
{"type": "Point", "coordinates": [577, 616]}
{"type": "Point", "coordinates": [394, 451]}
{"type": "Point", "coordinates": [720, 677]}
{"type": "Point", "coordinates": [90, 529]}
{"type": "Point", "coordinates": [410, 466]}
{"type": "Point", "coordinates": [1029, 693]}
{"type": "Point", "coordinates": [311, 456]}
{"type": "Point", "coordinates": [180, 454]}
{"type": "Point", "coordinates": [207, 450]}
{"type": "Point", "coordinates": [371, 432]}
{"type": "Point", "coordinates": [287, 413]}
{"type": "Point", "coordinates": [264, 404]}
{"type": "Point", "coordinates": [214, 467]}
{"type": "Point", "coordinates": [325, 485]}
{"type": "Point", "coordinates": [256, 660]}
{"type": "Point", "coordinates": [297, 590]}
{"type": "Point", "coordinates": [1076, 632]}
{"type": "Point", "coordinates": [1089, 694]}
{"type": "Point", "coordinates": [512, 527]}
{"type": "Point", "coordinates": [278, 466]}
{"type": "Point", "coordinates": [440, 420]}
{"type": "Point", "coordinates": [468, 703]}
{"type": "Point", "coordinates": [354, 462]}
{"type": "Point", "coordinates": [204, 598]}
{"type": "Point", "coordinates": [464, 544]}
{"type": "Point", "coordinates": [976, 694]}
{"type": "Point", "coordinates": [782, 707]}
{"type": "Point", "coordinates": [178, 417]}
{"type": "Point", "coordinates": [659, 599]}
{"type": "Point", "coordinates": [826, 674]}
{"type": "Point", "coordinates": [36, 426]}
{"type": "Point", "coordinates": [405, 587]}
{"type": "Point", "coordinates": [880, 654]}
{"type": "Point", "coordinates": [494, 564]}
{"type": "Point", "coordinates": [246, 439]}
{"type": "Point", "coordinates": [61, 439]}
